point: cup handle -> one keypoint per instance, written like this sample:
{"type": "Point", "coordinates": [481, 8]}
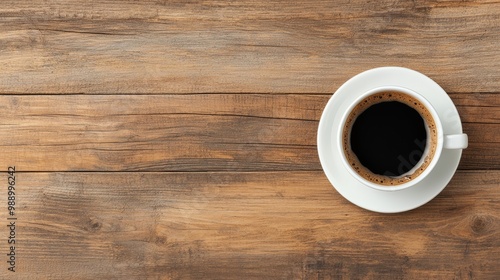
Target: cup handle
{"type": "Point", "coordinates": [456, 141]}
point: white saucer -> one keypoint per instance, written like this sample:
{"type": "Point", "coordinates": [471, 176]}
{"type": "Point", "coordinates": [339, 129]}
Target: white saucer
{"type": "Point", "coordinates": [362, 195]}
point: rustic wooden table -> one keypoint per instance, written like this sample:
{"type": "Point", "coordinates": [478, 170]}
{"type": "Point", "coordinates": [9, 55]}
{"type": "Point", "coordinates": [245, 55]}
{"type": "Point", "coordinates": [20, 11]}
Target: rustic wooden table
{"type": "Point", "coordinates": [177, 139]}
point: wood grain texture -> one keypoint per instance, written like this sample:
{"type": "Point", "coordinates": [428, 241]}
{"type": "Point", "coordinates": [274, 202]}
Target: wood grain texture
{"type": "Point", "coordinates": [128, 46]}
{"type": "Point", "coordinates": [223, 132]}
{"type": "Point", "coordinates": [177, 139]}
{"type": "Point", "coordinates": [264, 225]}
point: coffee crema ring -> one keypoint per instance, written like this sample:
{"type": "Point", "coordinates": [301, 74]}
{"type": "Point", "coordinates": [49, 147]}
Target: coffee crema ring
{"type": "Point", "coordinates": [430, 147]}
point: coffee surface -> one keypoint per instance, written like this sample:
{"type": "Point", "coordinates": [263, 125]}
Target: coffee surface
{"type": "Point", "coordinates": [386, 134]}
{"type": "Point", "coordinates": [389, 138]}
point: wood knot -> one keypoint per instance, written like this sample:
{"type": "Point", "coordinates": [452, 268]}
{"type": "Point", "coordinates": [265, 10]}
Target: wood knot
{"type": "Point", "coordinates": [93, 225]}
{"type": "Point", "coordinates": [160, 240]}
{"type": "Point", "coordinates": [479, 224]}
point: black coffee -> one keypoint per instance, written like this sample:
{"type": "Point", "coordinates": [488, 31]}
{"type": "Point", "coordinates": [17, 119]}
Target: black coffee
{"type": "Point", "coordinates": [386, 135]}
{"type": "Point", "coordinates": [389, 138]}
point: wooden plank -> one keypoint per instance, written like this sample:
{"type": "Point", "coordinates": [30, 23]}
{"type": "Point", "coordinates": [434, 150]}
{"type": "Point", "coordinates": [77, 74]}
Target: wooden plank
{"type": "Point", "coordinates": [116, 133]}
{"type": "Point", "coordinates": [478, 107]}
{"type": "Point", "coordinates": [253, 46]}
{"type": "Point", "coordinates": [213, 132]}
{"type": "Point", "coordinates": [268, 225]}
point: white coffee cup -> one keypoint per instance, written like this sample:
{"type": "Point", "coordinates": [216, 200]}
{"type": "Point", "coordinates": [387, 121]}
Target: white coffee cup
{"type": "Point", "coordinates": [429, 158]}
